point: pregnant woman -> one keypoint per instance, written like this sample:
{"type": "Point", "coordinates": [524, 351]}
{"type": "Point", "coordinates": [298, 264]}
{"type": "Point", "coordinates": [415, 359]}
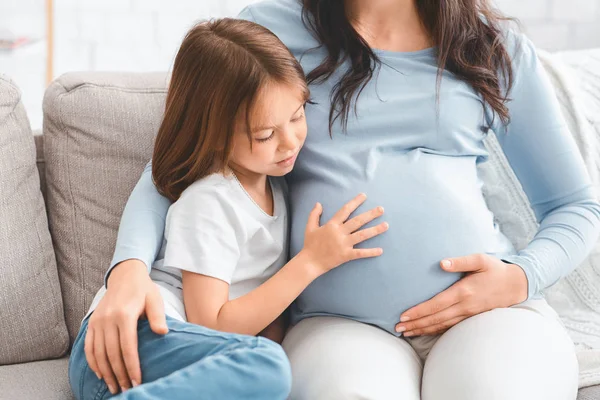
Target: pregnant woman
{"type": "Point", "coordinates": [403, 94]}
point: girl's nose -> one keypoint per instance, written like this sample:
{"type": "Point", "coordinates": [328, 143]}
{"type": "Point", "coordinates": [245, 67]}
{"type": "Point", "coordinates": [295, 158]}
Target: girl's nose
{"type": "Point", "coordinates": [288, 142]}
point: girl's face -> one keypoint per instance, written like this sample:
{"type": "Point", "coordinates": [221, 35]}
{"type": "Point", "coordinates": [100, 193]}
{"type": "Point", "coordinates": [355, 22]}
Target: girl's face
{"type": "Point", "coordinates": [278, 131]}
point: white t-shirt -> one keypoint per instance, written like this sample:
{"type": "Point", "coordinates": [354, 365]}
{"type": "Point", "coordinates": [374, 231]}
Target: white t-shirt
{"type": "Point", "coordinates": [216, 229]}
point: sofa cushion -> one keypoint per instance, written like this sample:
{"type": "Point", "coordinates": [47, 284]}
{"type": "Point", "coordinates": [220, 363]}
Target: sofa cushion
{"type": "Point", "coordinates": [589, 393]}
{"type": "Point", "coordinates": [46, 380]}
{"type": "Point", "coordinates": [32, 324]}
{"type": "Point", "coordinates": [98, 135]}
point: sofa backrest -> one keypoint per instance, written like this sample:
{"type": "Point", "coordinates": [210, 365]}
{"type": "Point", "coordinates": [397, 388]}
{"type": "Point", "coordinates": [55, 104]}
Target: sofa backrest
{"type": "Point", "coordinates": [98, 135]}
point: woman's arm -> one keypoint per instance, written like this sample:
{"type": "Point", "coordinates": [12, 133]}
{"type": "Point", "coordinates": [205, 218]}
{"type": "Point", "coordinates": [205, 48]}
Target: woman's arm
{"type": "Point", "coordinates": [547, 162]}
{"type": "Point", "coordinates": [142, 224]}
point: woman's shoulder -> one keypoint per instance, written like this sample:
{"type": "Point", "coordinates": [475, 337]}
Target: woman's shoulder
{"type": "Point", "coordinates": [284, 19]}
{"type": "Point", "coordinates": [270, 10]}
{"type": "Point", "coordinates": [520, 48]}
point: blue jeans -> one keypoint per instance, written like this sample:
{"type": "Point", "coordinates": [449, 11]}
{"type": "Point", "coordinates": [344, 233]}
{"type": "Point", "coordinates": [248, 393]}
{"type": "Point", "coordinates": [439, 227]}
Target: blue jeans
{"type": "Point", "coordinates": [192, 362]}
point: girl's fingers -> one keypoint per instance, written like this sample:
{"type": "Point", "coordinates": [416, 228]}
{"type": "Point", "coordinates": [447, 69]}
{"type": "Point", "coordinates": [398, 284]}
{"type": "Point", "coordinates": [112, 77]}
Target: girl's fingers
{"type": "Point", "coordinates": [359, 221]}
{"type": "Point", "coordinates": [89, 352]}
{"type": "Point", "coordinates": [344, 213]}
{"type": "Point", "coordinates": [115, 357]}
{"type": "Point", "coordinates": [102, 360]}
{"type": "Point", "coordinates": [365, 234]}
{"type": "Point", "coordinates": [365, 253]}
{"type": "Point", "coordinates": [314, 218]}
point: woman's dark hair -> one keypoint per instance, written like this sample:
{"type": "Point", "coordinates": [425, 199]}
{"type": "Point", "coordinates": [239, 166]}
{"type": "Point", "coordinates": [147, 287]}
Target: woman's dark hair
{"type": "Point", "coordinates": [219, 71]}
{"type": "Point", "coordinates": [466, 33]}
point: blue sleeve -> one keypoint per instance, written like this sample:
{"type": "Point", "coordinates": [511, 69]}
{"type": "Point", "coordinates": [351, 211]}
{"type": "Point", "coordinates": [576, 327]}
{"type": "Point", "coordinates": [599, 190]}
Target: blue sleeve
{"type": "Point", "coordinates": [547, 162]}
{"type": "Point", "coordinates": [246, 14]}
{"type": "Point", "coordinates": [142, 224]}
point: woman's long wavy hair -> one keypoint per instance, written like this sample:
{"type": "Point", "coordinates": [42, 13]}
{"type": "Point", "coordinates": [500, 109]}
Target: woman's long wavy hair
{"type": "Point", "coordinates": [466, 34]}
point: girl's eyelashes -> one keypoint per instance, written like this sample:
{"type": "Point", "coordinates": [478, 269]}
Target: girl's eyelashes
{"type": "Point", "coordinates": [266, 139]}
{"type": "Point", "coordinates": [262, 140]}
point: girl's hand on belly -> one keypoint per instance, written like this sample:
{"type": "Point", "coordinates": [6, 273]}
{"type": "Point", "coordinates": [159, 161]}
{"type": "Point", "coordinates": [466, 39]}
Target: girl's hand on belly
{"type": "Point", "coordinates": [332, 244]}
{"type": "Point", "coordinates": [490, 283]}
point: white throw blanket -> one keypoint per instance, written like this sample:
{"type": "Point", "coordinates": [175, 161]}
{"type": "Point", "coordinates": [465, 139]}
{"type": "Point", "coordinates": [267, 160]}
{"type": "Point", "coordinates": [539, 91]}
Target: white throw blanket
{"type": "Point", "coordinates": [576, 298]}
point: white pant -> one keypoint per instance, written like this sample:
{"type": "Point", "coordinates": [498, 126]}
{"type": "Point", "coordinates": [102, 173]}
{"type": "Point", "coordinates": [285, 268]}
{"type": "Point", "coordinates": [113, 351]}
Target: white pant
{"type": "Point", "coordinates": [517, 353]}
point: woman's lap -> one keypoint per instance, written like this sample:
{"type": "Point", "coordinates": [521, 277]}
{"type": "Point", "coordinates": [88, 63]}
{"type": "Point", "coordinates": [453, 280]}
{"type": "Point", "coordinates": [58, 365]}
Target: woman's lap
{"type": "Point", "coordinates": [195, 359]}
{"type": "Point", "coordinates": [522, 352]}
{"type": "Point", "coordinates": [518, 353]}
{"type": "Point", "coordinates": [336, 358]}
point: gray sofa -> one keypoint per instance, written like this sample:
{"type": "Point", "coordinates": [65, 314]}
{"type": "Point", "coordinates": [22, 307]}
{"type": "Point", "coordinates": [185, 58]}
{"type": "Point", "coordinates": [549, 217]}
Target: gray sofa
{"type": "Point", "coordinates": [58, 222]}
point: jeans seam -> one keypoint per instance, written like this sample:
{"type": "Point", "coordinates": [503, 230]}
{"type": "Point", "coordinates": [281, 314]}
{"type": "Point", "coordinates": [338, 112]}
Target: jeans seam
{"type": "Point", "coordinates": [85, 368]}
{"type": "Point", "coordinates": [101, 392]}
{"type": "Point", "coordinates": [84, 363]}
{"type": "Point", "coordinates": [103, 387]}
{"type": "Point", "coordinates": [212, 333]}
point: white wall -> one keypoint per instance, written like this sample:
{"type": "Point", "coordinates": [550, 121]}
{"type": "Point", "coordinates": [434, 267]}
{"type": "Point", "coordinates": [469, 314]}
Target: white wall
{"type": "Point", "coordinates": [143, 35]}
{"type": "Point", "coordinates": [140, 35]}
{"type": "Point", "coordinates": [557, 24]}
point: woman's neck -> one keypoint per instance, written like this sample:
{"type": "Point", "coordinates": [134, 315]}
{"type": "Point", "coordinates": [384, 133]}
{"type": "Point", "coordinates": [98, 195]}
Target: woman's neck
{"type": "Point", "coordinates": [393, 25]}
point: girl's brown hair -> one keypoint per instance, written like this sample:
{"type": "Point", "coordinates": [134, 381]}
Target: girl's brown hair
{"type": "Point", "coordinates": [219, 71]}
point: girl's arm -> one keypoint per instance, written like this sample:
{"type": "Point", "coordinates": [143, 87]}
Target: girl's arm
{"type": "Point", "coordinates": [206, 298]}
{"type": "Point", "coordinates": [547, 162]}
{"type": "Point", "coordinates": [142, 224]}
{"type": "Point", "coordinates": [209, 257]}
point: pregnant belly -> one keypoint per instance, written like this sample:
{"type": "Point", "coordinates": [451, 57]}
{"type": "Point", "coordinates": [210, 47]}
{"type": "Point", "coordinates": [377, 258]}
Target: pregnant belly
{"type": "Point", "coordinates": [435, 210]}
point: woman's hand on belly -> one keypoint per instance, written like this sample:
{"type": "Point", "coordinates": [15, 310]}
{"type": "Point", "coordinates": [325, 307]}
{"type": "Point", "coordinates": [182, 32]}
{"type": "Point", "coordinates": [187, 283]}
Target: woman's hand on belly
{"type": "Point", "coordinates": [490, 283]}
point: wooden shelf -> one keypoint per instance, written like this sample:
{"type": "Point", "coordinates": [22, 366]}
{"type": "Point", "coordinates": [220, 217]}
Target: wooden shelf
{"type": "Point", "coordinates": [49, 41]}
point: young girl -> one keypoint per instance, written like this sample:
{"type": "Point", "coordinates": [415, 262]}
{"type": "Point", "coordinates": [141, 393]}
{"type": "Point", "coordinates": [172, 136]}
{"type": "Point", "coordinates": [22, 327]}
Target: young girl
{"type": "Point", "coordinates": [234, 123]}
